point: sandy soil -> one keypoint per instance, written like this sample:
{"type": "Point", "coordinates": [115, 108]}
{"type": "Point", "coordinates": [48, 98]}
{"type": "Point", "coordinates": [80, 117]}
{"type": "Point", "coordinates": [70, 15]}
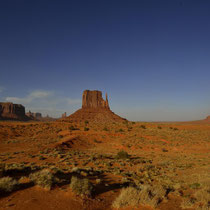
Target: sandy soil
{"type": "Point", "coordinates": [175, 155]}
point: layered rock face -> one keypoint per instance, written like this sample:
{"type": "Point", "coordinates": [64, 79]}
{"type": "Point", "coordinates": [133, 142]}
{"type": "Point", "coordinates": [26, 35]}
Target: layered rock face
{"type": "Point", "coordinates": [94, 109]}
{"type": "Point", "coordinates": [93, 99]}
{"type": "Point", "coordinates": [12, 111]}
{"type": "Point", "coordinates": [34, 115]}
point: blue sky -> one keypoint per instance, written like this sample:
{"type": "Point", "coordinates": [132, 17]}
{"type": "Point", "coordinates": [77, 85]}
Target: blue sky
{"type": "Point", "coordinates": [152, 57]}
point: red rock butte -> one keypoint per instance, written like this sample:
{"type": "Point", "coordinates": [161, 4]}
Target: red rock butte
{"type": "Point", "coordinates": [10, 111]}
{"type": "Point", "coordinates": [94, 109]}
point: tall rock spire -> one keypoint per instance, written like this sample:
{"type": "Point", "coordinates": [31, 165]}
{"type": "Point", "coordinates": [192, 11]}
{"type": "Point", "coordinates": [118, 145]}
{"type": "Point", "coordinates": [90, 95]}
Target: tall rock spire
{"type": "Point", "coordinates": [107, 102]}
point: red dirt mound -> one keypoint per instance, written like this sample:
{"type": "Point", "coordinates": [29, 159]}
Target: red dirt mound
{"type": "Point", "coordinates": [73, 141]}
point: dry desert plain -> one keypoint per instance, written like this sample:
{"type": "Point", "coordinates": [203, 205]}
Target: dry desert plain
{"type": "Point", "coordinates": [85, 165]}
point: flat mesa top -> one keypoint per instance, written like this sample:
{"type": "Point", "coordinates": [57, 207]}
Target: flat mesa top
{"type": "Point", "coordinates": [94, 99]}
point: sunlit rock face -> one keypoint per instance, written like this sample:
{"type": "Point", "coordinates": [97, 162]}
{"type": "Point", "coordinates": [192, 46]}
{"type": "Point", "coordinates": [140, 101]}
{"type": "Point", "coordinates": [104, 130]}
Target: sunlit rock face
{"type": "Point", "coordinates": [94, 99]}
{"type": "Point", "coordinates": [9, 110]}
{"type": "Point", "coordinates": [94, 109]}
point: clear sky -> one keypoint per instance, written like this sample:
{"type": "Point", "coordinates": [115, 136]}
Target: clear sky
{"type": "Point", "coordinates": [152, 57]}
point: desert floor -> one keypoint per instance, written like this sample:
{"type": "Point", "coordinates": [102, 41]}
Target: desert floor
{"type": "Point", "coordinates": [165, 165]}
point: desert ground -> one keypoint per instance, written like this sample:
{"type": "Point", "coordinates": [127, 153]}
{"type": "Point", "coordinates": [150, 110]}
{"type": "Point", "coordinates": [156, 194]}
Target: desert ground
{"type": "Point", "coordinates": [85, 165]}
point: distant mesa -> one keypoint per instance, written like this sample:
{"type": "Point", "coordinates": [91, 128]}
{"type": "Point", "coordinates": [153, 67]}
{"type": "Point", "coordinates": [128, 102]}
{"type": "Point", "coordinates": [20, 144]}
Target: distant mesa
{"type": "Point", "coordinates": [38, 116]}
{"type": "Point", "coordinates": [10, 111]}
{"type": "Point", "coordinates": [207, 118]}
{"type": "Point", "coordinates": [34, 115]}
{"type": "Point", "coordinates": [94, 109]}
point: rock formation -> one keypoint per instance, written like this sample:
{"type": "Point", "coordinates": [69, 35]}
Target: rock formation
{"type": "Point", "coordinates": [93, 99]}
{"type": "Point", "coordinates": [10, 111]}
{"type": "Point", "coordinates": [34, 115]}
{"type": "Point", "coordinates": [63, 115]}
{"type": "Point", "coordinates": [94, 108]}
{"type": "Point", "coordinates": [38, 116]}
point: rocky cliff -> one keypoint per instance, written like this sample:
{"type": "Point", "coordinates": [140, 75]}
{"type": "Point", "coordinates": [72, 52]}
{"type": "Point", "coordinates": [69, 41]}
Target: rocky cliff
{"type": "Point", "coordinates": [10, 111]}
{"type": "Point", "coordinates": [94, 109]}
{"type": "Point", "coordinates": [34, 115]}
{"type": "Point", "coordinates": [93, 99]}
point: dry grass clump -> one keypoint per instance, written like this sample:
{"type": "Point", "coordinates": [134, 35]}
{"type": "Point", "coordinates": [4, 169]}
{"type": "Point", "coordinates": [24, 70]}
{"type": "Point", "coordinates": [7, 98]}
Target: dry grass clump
{"type": "Point", "coordinates": [200, 199]}
{"type": "Point", "coordinates": [147, 195]}
{"type": "Point", "coordinates": [8, 184]}
{"type": "Point", "coordinates": [203, 197]}
{"type": "Point", "coordinates": [81, 186]}
{"type": "Point", "coordinates": [43, 178]}
{"type": "Point", "coordinates": [128, 197]}
{"type": "Point", "coordinates": [152, 195]}
{"type": "Point", "coordinates": [187, 203]}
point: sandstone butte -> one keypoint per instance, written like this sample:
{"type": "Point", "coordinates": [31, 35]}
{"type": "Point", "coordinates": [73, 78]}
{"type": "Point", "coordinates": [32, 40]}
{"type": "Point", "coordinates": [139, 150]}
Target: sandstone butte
{"type": "Point", "coordinates": [10, 111]}
{"type": "Point", "coordinates": [34, 115]}
{"type": "Point", "coordinates": [94, 109]}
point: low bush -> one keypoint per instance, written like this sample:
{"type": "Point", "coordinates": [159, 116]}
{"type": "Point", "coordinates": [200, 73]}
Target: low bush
{"type": "Point", "coordinates": [145, 195]}
{"type": "Point", "coordinates": [203, 197]}
{"type": "Point", "coordinates": [106, 129]}
{"type": "Point", "coordinates": [188, 202]}
{"type": "Point", "coordinates": [81, 186]}
{"type": "Point", "coordinates": [143, 126]}
{"type": "Point", "coordinates": [86, 129]}
{"type": "Point", "coordinates": [8, 184]}
{"type": "Point", "coordinates": [128, 197]}
{"type": "Point", "coordinates": [122, 155]}
{"type": "Point", "coordinates": [43, 178]}
{"type": "Point", "coordinates": [72, 128]}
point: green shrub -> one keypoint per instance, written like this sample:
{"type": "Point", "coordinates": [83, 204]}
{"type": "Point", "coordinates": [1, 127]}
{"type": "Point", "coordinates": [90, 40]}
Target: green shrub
{"type": "Point", "coordinates": [8, 184]}
{"type": "Point", "coordinates": [143, 126]}
{"type": "Point", "coordinates": [43, 178]}
{"type": "Point", "coordinates": [106, 129]}
{"type": "Point", "coordinates": [72, 128]}
{"type": "Point", "coordinates": [86, 129]}
{"type": "Point", "coordinates": [96, 141]}
{"type": "Point", "coordinates": [81, 186]}
{"type": "Point", "coordinates": [195, 185]}
{"type": "Point", "coordinates": [122, 155]}
{"type": "Point", "coordinates": [125, 122]}
{"type": "Point", "coordinates": [159, 127]}
{"type": "Point", "coordinates": [164, 150]}
{"type": "Point", "coordinates": [86, 122]}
